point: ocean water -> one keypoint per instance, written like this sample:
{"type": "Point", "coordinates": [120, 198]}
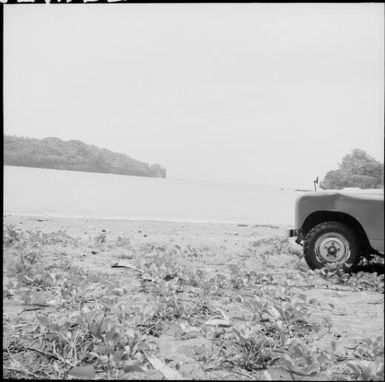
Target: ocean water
{"type": "Point", "coordinates": [46, 192]}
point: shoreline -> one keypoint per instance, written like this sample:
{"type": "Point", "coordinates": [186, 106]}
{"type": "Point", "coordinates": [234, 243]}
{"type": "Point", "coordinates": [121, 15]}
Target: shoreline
{"type": "Point", "coordinates": [136, 219]}
{"type": "Point", "coordinates": [234, 237]}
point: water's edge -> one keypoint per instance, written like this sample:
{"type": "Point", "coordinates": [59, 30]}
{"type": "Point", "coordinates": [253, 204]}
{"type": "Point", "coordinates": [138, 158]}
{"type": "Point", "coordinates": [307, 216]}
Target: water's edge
{"type": "Point", "coordinates": [70, 194]}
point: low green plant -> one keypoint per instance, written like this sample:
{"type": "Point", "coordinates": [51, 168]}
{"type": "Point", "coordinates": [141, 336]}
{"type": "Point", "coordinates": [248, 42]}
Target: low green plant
{"type": "Point", "coordinates": [342, 275]}
{"type": "Point", "coordinates": [10, 235]}
{"type": "Point", "coordinates": [365, 370]}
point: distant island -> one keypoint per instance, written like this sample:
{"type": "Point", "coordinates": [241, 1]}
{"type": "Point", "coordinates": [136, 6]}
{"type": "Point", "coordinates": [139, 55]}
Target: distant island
{"type": "Point", "coordinates": [74, 155]}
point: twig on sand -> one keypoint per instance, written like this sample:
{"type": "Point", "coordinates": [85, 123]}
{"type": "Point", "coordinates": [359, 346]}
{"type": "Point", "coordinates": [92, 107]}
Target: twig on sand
{"type": "Point", "coordinates": [43, 353]}
{"type": "Point", "coordinates": [125, 265]}
{"type": "Point", "coordinates": [376, 302]}
{"type": "Point", "coordinates": [33, 307]}
{"type": "Point", "coordinates": [163, 368]}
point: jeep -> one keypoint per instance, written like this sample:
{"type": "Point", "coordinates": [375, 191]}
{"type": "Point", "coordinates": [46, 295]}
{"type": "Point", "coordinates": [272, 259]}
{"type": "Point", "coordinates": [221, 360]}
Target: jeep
{"type": "Point", "coordinates": [339, 226]}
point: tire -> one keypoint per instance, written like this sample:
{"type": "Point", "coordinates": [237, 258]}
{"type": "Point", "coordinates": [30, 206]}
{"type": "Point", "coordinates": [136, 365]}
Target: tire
{"type": "Point", "coordinates": [331, 243]}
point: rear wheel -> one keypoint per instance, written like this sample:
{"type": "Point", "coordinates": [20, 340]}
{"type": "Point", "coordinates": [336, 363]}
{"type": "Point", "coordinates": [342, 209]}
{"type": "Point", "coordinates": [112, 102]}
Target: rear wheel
{"type": "Point", "coordinates": [330, 243]}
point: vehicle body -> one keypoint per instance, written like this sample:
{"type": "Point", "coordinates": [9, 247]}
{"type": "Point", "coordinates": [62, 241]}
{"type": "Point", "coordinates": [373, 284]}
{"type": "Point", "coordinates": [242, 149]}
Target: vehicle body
{"type": "Point", "coordinates": [339, 226]}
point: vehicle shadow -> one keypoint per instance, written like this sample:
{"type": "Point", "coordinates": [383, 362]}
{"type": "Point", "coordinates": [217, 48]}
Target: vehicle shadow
{"type": "Point", "coordinates": [372, 266]}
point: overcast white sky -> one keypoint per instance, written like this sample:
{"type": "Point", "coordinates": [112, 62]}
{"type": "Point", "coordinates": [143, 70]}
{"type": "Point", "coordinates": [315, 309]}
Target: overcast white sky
{"type": "Point", "coordinates": [271, 94]}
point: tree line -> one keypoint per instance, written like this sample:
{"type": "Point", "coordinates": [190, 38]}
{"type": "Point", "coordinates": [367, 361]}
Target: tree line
{"type": "Point", "coordinates": [73, 155]}
{"type": "Point", "coordinates": [357, 169]}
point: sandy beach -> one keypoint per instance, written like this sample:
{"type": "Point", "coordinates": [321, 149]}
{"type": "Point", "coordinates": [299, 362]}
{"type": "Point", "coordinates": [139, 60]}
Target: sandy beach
{"type": "Point", "coordinates": [203, 301]}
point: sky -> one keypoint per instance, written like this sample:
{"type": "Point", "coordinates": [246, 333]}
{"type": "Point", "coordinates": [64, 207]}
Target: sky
{"type": "Point", "coordinates": [268, 94]}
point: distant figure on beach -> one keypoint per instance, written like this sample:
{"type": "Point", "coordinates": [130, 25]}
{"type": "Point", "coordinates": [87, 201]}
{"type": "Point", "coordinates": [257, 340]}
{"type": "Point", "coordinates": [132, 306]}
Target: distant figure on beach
{"type": "Point", "coordinates": [316, 183]}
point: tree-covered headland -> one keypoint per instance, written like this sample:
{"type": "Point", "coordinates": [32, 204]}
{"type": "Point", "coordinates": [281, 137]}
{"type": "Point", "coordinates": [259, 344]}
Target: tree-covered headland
{"type": "Point", "coordinates": [73, 155]}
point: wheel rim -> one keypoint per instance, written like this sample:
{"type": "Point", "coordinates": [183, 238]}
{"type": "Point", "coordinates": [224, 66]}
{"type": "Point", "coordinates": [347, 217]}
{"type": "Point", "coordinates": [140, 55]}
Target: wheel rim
{"type": "Point", "coordinates": [332, 248]}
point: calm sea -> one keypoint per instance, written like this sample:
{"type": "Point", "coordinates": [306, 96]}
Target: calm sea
{"type": "Point", "coordinates": [33, 191]}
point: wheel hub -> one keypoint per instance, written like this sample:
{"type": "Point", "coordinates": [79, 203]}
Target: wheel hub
{"type": "Point", "coordinates": [332, 248]}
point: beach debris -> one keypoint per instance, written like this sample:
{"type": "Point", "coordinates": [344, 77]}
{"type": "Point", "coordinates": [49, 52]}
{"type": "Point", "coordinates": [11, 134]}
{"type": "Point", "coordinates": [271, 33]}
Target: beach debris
{"type": "Point", "coordinates": [28, 279]}
{"type": "Point", "coordinates": [33, 307]}
{"type": "Point", "coordinates": [122, 264]}
{"type": "Point", "coordinates": [375, 302]}
{"type": "Point", "coordinates": [190, 331]}
{"type": "Point", "coordinates": [38, 301]}
{"type": "Point", "coordinates": [52, 303]}
{"type": "Point", "coordinates": [146, 277]}
{"type": "Point", "coordinates": [274, 312]}
{"type": "Point", "coordinates": [128, 256]}
{"type": "Point", "coordinates": [167, 371]}
{"type": "Point", "coordinates": [224, 315]}
{"type": "Point", "coordinates": [118, 291]}
{"type": "Point", "coordinates": [218, 322]}
{"type": "Point", "coordinates": [85, 372]}
{"type": "Point", "coordinates": [266, 225]}
{"type": "Point", "coordinates": [94, 252]}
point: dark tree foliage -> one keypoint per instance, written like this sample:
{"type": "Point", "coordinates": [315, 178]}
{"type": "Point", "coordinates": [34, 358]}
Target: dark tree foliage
{"type": "Point", "coordinates": [73, 155]}
{"type": "Point", "coordinates": [357, 169]}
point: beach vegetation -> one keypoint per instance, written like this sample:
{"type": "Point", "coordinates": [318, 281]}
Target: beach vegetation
{"type": "Point", "coordinates": [77, 322]}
